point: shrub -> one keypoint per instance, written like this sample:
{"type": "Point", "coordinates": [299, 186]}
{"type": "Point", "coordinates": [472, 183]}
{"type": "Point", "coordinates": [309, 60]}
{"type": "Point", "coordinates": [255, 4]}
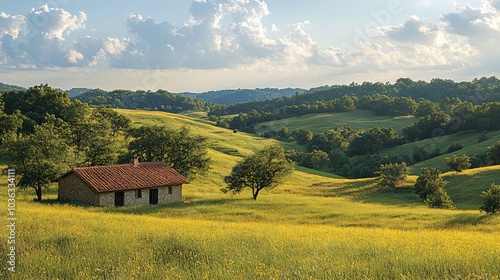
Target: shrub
{"type": "Point", "coordinates": [458, 163]}
{"type": "Point", "coordinates": [454, 148]}
{"type": "Point", "coordinates": [392, 174]}
{"type": "Point", "coordinates": [491, 199]}
{"type": "Point", "coordinates": [440, 199]}
{"type": "Point", "coordinates": [421, 154]}
{"type": "Point", "coordinates": [429, 182]}
{"type": "Point", "coordinates": [494, 153]}
{"type": "Point", "coordinates": [483, 137]}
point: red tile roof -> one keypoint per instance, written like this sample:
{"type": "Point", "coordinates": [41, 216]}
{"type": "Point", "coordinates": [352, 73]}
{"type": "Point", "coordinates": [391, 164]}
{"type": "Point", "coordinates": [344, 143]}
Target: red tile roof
{"type": "Point", "coordinates": [128, 177]}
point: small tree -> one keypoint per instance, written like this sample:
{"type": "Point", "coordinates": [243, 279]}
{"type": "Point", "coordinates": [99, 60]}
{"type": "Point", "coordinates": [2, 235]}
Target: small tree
{"type": "Point", "coordinates": [440, 199]}
{"type": "Point", "coordinates": [458, 163]}
{"type": "Point", "coordinates": [494, 153]}
{"type": "Point", "coordinates": [491, 199]}
{"type": "Point", "coordinates": [262, 170]}
{"type": "Point", "coordinates": [392, 174]}
{"type": "Point", "coordinates": [428, 182]}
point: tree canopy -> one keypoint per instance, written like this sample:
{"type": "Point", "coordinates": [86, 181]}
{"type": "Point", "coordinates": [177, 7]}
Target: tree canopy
{"type": "Point", "coordinates": [458, 162]}
{"type": "Point", "coordinates": [392, 174]}
{"type": "Point", "coordinates": [39, 158]}
{"type": "Point", "coordinates": [184, 152]}
{"type": "Point", "coordinates": [428, 182]}
{"type": "Point", "coordinates": [491, 199]}
{"type": "Point", "coordinates": [262, 170]}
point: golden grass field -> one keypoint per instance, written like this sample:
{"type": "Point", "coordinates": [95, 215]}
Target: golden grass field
{"type": "Point", "coordinates": [310, 227]}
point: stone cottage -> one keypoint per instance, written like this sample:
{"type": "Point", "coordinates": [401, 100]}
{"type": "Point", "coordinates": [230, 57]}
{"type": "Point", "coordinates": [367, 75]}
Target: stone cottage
{"type": "Point", "coordinates": [122, 185]}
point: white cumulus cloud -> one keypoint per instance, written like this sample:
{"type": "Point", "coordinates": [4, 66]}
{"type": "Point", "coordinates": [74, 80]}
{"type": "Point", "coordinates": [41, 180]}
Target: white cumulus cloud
{"type": "Point", "coordinates": [219, 34]}
{"type": "Point", "coordinates": [37, 39]}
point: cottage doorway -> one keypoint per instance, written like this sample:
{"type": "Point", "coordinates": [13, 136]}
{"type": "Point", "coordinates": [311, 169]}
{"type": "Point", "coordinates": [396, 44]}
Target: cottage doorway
{"type": "Point", "coordinates": [153, 196]}
{"type": "Point", "coordinates": [119, 198]}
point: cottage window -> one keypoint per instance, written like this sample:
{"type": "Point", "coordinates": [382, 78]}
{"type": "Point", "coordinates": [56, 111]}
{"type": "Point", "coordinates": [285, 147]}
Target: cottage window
{"type": "Point", "coordinates": [169, 190]}
{"type": "Point", "coordinates": [138, 193]}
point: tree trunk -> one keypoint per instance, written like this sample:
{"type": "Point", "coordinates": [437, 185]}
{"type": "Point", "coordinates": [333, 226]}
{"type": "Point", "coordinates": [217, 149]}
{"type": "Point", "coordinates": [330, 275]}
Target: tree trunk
{"type": "Point", "coordinates": [255, 193]}
{"type": "Point", "coordinates": [38, 193]}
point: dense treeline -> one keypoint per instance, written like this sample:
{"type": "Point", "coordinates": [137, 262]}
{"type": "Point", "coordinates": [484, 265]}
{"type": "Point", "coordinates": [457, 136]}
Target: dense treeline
{"type": "Point", "coordinates": [477, 91]}
{"type": "Point", "coordinates": [160, 100]}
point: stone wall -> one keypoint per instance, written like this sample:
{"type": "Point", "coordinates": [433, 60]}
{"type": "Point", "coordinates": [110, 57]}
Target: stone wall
{"type": "Point", "coordinates": [164, 196]}
{"type": "Point", "coordinates": [130, 199]}
{"type": "Point", "coordinates": [72, 188]}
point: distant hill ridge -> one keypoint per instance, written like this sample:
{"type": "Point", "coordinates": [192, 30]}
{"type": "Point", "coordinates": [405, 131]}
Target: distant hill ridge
{"type": "Point", "coordinates": [223, 97]}
{"type": "Point", "coordinates": [232, 96]}
{"type": "Point", "coordinates": [10, 87]}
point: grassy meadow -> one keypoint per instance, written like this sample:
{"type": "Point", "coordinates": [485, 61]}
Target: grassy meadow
{"type": "Point", "coordinates": [357, 120]}
{"type": "Point", "coordinates": [313, 226]}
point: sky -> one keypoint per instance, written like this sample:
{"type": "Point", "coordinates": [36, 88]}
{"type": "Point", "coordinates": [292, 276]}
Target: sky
{"type": "Point", "coordinates": [203, 45]}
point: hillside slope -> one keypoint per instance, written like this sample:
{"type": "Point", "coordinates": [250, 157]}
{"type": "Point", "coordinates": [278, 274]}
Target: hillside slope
{"type": "Point", "coordinates": [310, 227]}
{"type": "Point", "coordinates": [226, 148]}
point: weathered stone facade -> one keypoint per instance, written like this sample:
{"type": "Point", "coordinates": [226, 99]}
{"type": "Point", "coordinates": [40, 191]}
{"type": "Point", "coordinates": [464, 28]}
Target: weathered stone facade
{"type": "Point", "coordinates": [72, 188]}
{"type": "Point", "coordinates": [131, 199]}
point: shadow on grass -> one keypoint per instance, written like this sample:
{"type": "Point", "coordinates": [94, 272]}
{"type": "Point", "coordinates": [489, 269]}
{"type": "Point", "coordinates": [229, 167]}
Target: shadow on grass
{"type": "Point", "coordinates": [55, 201]}
{"type": "Point", "coordinates": [472, 219]}
{"type": "Point", "coordinates": [151, 209]}
{"type": "Point", "coordinates": [367, 191]}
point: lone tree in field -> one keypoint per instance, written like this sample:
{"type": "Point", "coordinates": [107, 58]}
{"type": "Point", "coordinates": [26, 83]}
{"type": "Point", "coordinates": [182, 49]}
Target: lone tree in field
{"type": "Point", "coordinates": [428, 182]}
{"type": "Point", "coordinates": [392, 174]}
{"type": "Point", "coordinates": [458, 163]}
{"type": "Point", "coordinates": [491, 199]}
{"type": "Point", "coordinates": [262, 170]}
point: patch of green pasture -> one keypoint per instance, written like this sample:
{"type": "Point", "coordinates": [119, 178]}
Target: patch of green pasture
{"type": "Point", "coordinates": [469, 141]}
{"type": "Point", "coordinates": [357, 120]}
{"type": "Point", "coordinates": [465, 188]}
{"type": "Point", "coordinates": [219, 139]}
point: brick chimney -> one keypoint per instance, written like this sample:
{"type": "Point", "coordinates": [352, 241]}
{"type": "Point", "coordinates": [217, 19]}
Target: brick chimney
{"type": "Point", "coordinates": [136, 160]}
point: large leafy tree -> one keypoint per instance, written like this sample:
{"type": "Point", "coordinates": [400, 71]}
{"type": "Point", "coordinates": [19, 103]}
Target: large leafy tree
{"type": "Point", "coordinates": [428, 182]}
{"type": "Point", "coordinates": [262, 170]}
{"type": "Point", "coordinates": [39, 158]}
{"type": "Point", "coordinates": [183, 151]}
{"type": "Point", "coordinates": [117, 122]}
{"type": "Point", "coordinates": [93, 131]}
{"type": "Point", "coordinates": [392, 174]}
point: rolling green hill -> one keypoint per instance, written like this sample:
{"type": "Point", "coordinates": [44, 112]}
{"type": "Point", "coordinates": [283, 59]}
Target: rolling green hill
{"type": "Point", "coordinates": [470, 142]}
{"type": "Point", "coordinates": [357, 120]}
{"type": "Point", "coordinates": [310, 227]}
{"type": "Point", "coordinates": [226, 148]}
